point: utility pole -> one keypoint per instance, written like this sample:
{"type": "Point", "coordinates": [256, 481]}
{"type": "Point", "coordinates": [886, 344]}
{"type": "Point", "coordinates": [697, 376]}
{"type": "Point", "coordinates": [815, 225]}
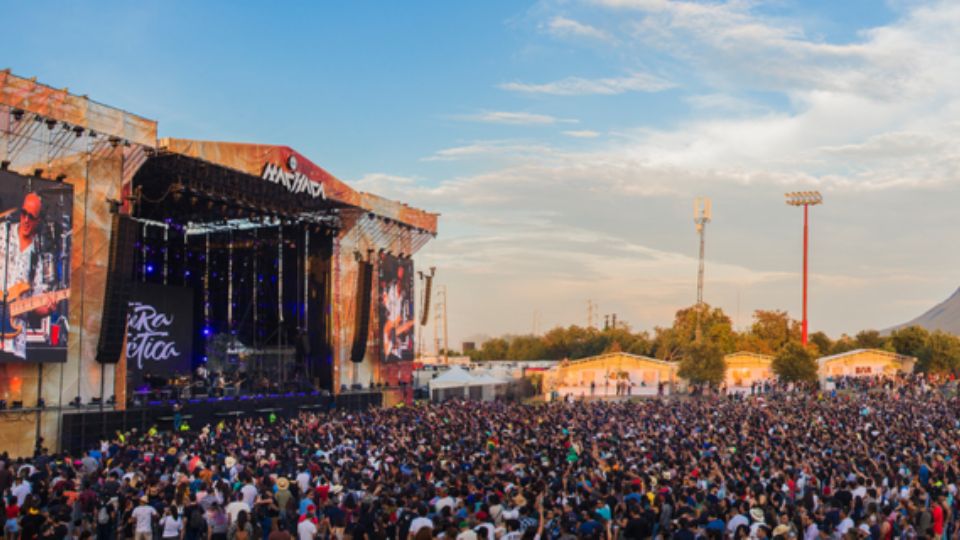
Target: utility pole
{"type": "Point", "coordinates": [806, 199]}
{"type": "Point", "coordinates": [536, 322]}
{"type": "Point", "coordinates": [437, 313]}
{"type": "Point", "coordinates": [701, 216]}
{"type": "Point", "coordinates": [590, 313]}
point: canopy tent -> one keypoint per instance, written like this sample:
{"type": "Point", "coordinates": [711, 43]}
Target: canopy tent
{"type": "Point", "coordinates": [457, 383]}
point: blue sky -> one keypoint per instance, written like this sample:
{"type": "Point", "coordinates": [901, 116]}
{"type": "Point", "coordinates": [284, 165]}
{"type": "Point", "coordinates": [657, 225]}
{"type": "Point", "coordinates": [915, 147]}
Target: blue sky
{"type": "Point", "coordinates": [563, 140]}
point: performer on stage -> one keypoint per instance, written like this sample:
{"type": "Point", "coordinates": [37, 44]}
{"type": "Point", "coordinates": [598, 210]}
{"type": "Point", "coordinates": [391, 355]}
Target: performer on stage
{"type": "Point", "coordinates": [21, 275]}
{"type": "Point", "coordinates": [398, 323]}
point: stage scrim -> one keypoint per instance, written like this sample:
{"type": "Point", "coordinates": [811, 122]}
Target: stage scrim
{"type": "Point", "coordinates": [35, 225]}
{"type": "Point", "coordinates": [159, 332]}
{"type": "Point", "coordinates": [396, 308]}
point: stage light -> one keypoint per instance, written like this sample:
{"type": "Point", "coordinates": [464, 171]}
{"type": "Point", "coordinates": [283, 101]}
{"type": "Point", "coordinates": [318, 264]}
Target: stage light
{"type": "Point", "coordinates": [150, 268]}
{"type": "Point", "coordinates": [207, 331]}
{"type": "Point", "coordinates": [41, 403]}
{"type": "Point", "coordinates": [78, 131]}
{"type": "Point", "coordinates": [51, 124]}
{"type": "Point", "coordinates": [93, 134]}
{"type": "Point", "coordinates": [5, 164]}
{"type": "Point", "coordinates": [16, 405]}
{"type": "Point", "coordinates": [17, 114]}
{"type": "Point", "coordinates": [61, 177]}
{"type": "Point", "coordinates": [3, 404]}
{"type": "Point", "coordinates": [96, 400]}
{"type": "Point", "coordinates": [75, 402]}
{"type": "Point", "coordinates": [112, 400]}
{"type": "Point", "coordinates": [38, 172]}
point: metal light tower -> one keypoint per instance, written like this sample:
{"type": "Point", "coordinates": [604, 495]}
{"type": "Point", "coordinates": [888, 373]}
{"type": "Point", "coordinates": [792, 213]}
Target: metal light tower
{"type": "Point", "coordinates": [701, 216]}
{"type": "Point", "coordinates": [806, 199]}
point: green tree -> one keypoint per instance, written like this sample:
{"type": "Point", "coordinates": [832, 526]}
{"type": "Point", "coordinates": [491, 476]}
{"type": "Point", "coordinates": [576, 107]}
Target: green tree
{"type": "Point", "coordinates": [909, 340]}
{"type": "Point", "coordinates": [795, 363]}
{"type": "Point", "coordinates": [940, 354]}
{"type": "Point", "coordinates": [527, 347]}
{"type": "Point", "coordinates": [671, 343]}
{"type": "Point", "coordinates": [703, 362]}
{"type": "Point", "coordinates": [870, 339]}
{"type": "Point", "coordinates": [494, 349]}
{"type": "Point", "coordinates": [843, 344]}
{"type": "Point", "coordinates": [822, 342]}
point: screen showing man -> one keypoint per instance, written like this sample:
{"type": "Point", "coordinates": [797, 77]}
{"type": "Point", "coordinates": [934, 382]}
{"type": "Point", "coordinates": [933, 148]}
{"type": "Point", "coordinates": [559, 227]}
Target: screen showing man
{"type": "Point", "coordinates": [34, 268]}
{"type": "Point", "coordinates": [396, 308]}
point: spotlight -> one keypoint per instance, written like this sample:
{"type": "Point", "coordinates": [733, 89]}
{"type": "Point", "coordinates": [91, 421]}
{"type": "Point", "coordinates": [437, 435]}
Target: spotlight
{"type": "Point", "coordinates": [41, 403]}
{"type": "Point", "coordinates": [93, 134]}
{"type": "Point", "coordinates": [3, 404]}
{"type": "Point", "coordinates": [38, 172]}
{"type": "Point", "coordinates": [114, 141]}
{"type": "Point", "coordinates": [78, 131]}
{"type": "Point", "coordinates": [51, 124]}
{"type": "Point", "coordinates": [75, 402]}
{"type": "Point", "coordinates": [96, 400]}
{"type": "Point", "coordinates": [112, 400]}
{"type": "Point", "coordinates": [61, 177]}
{"type": "Point", "coordinates": [18, 114]}
{"type": "Point", "coordinates": [5, 164]}
{"type": "Point", "coordinates": [16, 405]}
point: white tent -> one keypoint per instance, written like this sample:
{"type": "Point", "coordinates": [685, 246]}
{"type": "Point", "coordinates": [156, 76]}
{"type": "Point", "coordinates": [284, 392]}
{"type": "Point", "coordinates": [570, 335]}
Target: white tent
{"type": "Point", "coordinates": [451, 384]}
{"type": "Point", "coordinates": [458, 383]}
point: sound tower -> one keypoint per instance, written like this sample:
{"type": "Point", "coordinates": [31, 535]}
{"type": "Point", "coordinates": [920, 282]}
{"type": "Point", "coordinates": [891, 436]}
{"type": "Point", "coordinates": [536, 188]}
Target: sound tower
{"type": "Point", "coordinates": [119, 284]}
{"type": "Point", "coordinates": [425, 316]}
{"type": "Point", "coordinates": [364, 295]}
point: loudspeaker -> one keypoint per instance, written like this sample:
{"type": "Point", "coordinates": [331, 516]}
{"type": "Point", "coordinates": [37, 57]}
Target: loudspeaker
{"type": "Point", "coordinates": [425, 316]}
{"type": "Point", "coordinates": [119, 284]}
{"type": "Point", "coordinates": [364, 295]}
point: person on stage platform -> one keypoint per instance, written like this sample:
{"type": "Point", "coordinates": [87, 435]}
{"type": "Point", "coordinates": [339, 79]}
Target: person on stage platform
{"type": "Point", "coordinates": [22, 273]}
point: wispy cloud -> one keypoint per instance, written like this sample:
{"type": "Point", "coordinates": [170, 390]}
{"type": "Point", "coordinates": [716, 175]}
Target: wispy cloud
{"type": "Point", "coordinates": [515, 118]}
{"type": "Point", "coordinates": [579, 86]}
{"type": "Point", "coordinates": [582, 134]}
{"type": "Point", "coordinates": [564, 27]}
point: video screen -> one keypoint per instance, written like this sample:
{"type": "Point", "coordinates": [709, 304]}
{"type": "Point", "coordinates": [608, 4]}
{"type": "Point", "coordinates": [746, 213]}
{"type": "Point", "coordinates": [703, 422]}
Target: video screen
{"type": "Point", "coordinates": [396, 308]}
{"type": "Point", "coordinates": [36, 224]}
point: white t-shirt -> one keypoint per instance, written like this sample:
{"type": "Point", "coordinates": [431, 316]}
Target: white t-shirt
{"type": "Point", "coordinates": [18, 264]}
{"type": "Point", "coordinates": [171, 526]}
{"type": "Point", "coordinates": [446, 501]}
{"type": "Point", "coordinates": [21, 491]}
{"type": "Point", "coordinates": [306, 530]}
{"type": "Point", "coordinates": [845, 525]}
{"type": "Point", "coordinates": [303, 480]}
{"type": "Point", "coordinates": [249, 495]}
{"type": "Point", "coordinates": [143, 514]}
{"type": "Point", "coordinates": [419, 523]}
{"type": "Point", "coordinates": [233, 509]}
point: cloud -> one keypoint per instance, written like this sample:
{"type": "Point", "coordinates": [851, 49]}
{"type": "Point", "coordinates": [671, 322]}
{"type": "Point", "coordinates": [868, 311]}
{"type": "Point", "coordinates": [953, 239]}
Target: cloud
{"type": "Point", "coordinates": [582, 134]}
{"type": "Point", "coordinates": [564, 27]}
{"type": "Point", "coordinates": [578, 86]}
{"type": "Point", "coordinates": [872, 122]}
{"type": "Point", "coordinates": [515, 118]}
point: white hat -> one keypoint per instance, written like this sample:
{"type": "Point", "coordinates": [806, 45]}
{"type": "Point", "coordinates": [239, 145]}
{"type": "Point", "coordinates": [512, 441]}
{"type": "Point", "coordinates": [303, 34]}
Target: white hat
{"type": "Point", "coordinates": [756, 514]}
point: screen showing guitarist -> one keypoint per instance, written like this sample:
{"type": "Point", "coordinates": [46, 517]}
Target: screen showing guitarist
{"type": "Point", "coordinates": [22, 275]}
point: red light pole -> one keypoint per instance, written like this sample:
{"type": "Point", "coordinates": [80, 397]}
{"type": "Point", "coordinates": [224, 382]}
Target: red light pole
{"type": "Point", "coordinates": [806, 199]}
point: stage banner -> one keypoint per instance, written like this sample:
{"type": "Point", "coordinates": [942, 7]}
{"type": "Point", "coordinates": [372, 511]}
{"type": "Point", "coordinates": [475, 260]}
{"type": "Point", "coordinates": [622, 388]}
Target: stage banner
{"type": "Point", "coordinates": [35, 233]}
{"type": "Point", "coordinates": [159, 332]}
{"type": "Point", "coordinates": [396, 309]}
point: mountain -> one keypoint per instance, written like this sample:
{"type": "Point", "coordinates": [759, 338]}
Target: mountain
{"type": "Point", "coordinates": [943, 316]}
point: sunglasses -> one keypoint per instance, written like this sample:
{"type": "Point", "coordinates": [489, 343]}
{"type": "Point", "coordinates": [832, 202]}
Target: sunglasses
{"type": "Point", "coordinates": [26, 213]}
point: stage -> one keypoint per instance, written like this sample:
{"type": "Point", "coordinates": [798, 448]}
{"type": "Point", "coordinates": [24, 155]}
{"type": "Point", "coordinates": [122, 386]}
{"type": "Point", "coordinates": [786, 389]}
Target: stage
{"type": "Point", "coordinates": [180, 268]}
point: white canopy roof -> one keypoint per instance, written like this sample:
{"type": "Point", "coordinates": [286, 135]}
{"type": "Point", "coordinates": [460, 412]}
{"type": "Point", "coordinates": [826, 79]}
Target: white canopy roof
{"type": "Point", "coordinates": [454, 377]}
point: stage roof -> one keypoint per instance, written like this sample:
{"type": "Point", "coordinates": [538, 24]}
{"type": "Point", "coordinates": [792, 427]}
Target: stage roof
{"type": "Point", "coordinates": [284, 165]}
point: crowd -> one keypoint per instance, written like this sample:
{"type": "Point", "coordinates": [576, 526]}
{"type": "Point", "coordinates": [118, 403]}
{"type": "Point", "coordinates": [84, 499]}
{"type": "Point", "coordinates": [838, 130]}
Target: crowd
{"type": "Point", "coordinates": [878, 465]}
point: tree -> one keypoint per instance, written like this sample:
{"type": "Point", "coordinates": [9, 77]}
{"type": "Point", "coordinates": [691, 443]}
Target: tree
{"type": "Point", "coordinates": [672, 343]}
{"type": "Point", "coordinates": [869, 339]}
{"type": "Point", "coordinates": [795, 363]}
{"type": "Point", "coordinates": [773, 329]}
{"type": "Point", "coordinates": [940, 354]}
{"type": "Point", "coordinates": [527, 347]}
{"type": "Point", "coordinates": [910, 340]}
{"type": "Point", "coordinates": [844, 344]}
{"type": "Point", "coordinates": [822, 342]}
{"type": "Point", "coordinates": [494, 349]}
{"type": "Point", "coordinates": [703, 362]}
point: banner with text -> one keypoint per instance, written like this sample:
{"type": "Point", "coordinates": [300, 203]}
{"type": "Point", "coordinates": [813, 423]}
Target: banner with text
{"type": "Point", "coordinates": [159, 332]}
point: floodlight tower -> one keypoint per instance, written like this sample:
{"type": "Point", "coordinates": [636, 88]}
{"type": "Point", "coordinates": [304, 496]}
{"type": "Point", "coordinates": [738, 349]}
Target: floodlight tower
{"type": "Point", "coordinates": [701, 216]}
{"type": "Point", "coordinates": [806, 199]}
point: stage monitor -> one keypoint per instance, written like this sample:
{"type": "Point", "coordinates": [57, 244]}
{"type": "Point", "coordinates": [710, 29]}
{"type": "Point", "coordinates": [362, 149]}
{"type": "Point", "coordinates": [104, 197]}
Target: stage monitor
{"type": "Point", "coordinates": [36, 220]}
{"type": "Point", "coordinates": [396, 309]}
{"type": "Point", "coordinates": [159, 332]}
